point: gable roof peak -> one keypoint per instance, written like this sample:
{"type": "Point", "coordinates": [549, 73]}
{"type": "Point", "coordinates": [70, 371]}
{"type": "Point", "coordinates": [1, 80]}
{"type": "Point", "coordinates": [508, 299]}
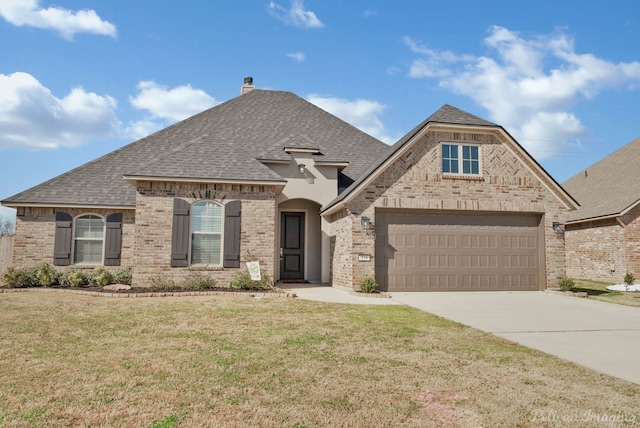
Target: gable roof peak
{"type": "Point", "coordinates": [453, 115]}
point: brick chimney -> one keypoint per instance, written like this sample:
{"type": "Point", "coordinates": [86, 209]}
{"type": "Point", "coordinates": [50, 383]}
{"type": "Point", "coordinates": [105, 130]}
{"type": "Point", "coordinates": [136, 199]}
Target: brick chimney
{"type": "Point", "coordinates": [248, 85]}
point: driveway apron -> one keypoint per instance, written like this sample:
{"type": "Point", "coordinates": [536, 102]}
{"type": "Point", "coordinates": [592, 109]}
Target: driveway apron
{"type": "Point", "coordinates": [602, 336]}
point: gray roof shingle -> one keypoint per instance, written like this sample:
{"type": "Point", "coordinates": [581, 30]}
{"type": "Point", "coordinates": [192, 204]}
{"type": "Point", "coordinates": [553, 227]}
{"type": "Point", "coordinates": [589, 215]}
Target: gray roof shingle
{"type": "Point", "coordinates": [221, 143]}
{"type": "Point", "coordinates": [609, 186]}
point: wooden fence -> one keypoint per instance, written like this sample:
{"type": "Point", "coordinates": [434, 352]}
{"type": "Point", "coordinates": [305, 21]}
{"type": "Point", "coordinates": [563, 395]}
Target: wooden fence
{"type": "Point", "coordinates": [6, 252]}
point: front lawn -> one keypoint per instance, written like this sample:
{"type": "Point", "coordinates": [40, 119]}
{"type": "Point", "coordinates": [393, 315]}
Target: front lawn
{"type": "Point", "coordinates": [597, 290]}
{"type": "Point", "coordinates": [73, 360]}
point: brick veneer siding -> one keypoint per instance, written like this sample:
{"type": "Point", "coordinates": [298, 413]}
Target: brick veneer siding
{"type": "Point", "coordinates": [415, 181]}
{"type": "Point", "coordinates": [606, 249]}
{"type": "Point", "coordinates": [35, 232]}
{"type": "Point", "coordinates": [342, 249]}
{"type": "Point", "coordinates": [154, 213]}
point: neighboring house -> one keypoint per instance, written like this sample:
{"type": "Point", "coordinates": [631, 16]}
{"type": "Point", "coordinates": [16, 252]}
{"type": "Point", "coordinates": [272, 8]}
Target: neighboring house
{"type": "Point", "coordinates": [603, 236]}
{"type": "Point", "coordinates": [456, 204]}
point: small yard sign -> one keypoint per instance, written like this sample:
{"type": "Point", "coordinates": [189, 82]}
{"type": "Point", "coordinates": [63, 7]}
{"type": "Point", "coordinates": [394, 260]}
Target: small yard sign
{"type": "Point", "coordinates": [254, 270]}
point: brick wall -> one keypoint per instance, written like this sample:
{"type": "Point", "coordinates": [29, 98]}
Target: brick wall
{"type": "Point", "coordinates": [604, 250]}
{"type": "Point", "coordinates": [35, 233]}
{"type": "Point", "coordinates": [342, 250]}
{"type": "Point", "coordinates": [415, 181]}
{"type": "Point", "coordinates": [154, 210]}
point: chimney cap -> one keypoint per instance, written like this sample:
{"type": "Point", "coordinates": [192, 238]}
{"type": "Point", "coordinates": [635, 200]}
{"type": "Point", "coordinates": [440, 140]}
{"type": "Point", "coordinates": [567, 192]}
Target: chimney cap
{"type": "Point", "coordinates": [248, 80]}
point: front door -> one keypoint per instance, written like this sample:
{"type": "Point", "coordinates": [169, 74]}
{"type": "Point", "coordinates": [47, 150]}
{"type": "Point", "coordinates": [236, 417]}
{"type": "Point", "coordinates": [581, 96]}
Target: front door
{"type": "Point", "coordinates": [292, 246]}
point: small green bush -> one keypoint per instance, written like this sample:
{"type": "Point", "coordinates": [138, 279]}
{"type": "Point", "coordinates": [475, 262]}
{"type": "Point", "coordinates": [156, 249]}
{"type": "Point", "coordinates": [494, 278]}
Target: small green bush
{"type": "Point", "coordinates": [101, 276]}
{"type": "Point", "coordinates": [21, 278]}
{"type": "Point", "coordinates": [629, 278]}
{"type": "Point", "coordinates": [197, 280]}
{"type": "Point", "coordinates": [368, 284]}
{"type": "Point", "coordinates": [74, 278]}
{"type": "Point", "coordinates": [566, 283]}
{"type": "Point", "coordinates": [47, 275]}
{"type": "Point", "coordinates": [122, 276]}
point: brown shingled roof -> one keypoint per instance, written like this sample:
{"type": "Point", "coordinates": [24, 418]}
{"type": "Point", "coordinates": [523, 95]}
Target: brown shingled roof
{"type": "Point", "coordinates": [609, 186]}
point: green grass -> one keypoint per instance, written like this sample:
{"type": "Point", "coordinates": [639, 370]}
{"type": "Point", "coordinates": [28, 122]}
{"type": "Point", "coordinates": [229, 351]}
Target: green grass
{"type": "Point", "coordinates": [72, 360]}
{"type": "Point", "coordinates": [597, 290]}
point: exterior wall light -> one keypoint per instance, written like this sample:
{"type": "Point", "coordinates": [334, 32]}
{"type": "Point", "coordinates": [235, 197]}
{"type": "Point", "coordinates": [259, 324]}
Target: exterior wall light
{"type": "Point", "coordinates": [365, 223]}
{"type": "Point", "coordinates": [558, 227]}
{"type": "Point", "coordinates": [301, 168]}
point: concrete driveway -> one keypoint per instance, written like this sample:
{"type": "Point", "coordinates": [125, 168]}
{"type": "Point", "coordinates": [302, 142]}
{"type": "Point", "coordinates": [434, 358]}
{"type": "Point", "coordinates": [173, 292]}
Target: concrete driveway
{"type": "Point", "coordinates": [598, 335]}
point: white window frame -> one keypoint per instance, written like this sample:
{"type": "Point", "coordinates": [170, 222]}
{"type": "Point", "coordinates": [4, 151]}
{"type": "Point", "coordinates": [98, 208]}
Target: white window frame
{"type": "Point", "coordinates": [74, 239]}
{"type": "Point", "coordinates": [221, 233]}
{"type": "Point", "coordinates": [460, 160]}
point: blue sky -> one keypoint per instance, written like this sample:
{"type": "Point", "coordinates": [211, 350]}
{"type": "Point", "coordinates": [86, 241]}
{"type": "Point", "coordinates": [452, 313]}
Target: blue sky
{"type": "Point", "coordinates": [79, 79]}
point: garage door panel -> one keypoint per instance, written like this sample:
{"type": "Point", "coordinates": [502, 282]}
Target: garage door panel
{"type": "Point", "coordinates": [434, 252]}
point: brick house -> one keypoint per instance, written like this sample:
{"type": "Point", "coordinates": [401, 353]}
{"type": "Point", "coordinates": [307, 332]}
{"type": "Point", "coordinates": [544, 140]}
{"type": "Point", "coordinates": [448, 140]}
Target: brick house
{"type": "Point", "coordinates": [457, 204]}
{"type": "Point", "coordinates": [603, 235]}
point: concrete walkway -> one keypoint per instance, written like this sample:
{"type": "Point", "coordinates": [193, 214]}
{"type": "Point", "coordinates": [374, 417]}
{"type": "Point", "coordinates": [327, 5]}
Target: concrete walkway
{"type": "Point", "coordinates": [333, 295]}
{"type": "Point", "coordinates": [602, 336]}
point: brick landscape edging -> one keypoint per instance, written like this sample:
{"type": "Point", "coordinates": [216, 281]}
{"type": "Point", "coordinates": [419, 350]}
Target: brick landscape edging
{"type": "Point", "coordinates": [149, 294]}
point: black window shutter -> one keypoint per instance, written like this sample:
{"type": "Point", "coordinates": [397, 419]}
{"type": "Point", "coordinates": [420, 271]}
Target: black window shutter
{"type": "Point", "coordinates": [180, 234]}
{"type": "Point", "coordinates": [113, 240]}
{"type": "Point", "coordinates": [62, 240]}
{"type": "Point", "coordinates": [232, 234]}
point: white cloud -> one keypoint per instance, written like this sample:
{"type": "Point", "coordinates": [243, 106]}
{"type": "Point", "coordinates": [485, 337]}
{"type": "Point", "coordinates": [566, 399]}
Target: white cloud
{"type": "Point", "coordinates": [298, 56]}
{"type": "Point", "coordinates": [32, 117]}
{"type": "Point", "coordinates": [172, 104]}
{"type": "Point", "coordinates": [165, 106]}
{"type": "Point", "coordinates": [296, 16]}
{"type": "Point", "coordinates": [528, 85]}
{"type": "Point", "coordinates": [363, 114]}
{"type": "Point", "coordinates": [65, 22]}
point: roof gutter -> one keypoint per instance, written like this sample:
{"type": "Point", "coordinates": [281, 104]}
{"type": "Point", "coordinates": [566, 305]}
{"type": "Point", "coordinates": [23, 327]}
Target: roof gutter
{"type": "Point", "coordinates": [16, 205]}
{"type": "Point", "coordinates": [606, 216]}
{"type": "Point", "coordinates": [133, 178]}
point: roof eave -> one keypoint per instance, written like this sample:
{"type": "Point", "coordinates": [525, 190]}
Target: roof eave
{"type": "Point", "coordinates": [134, 178]}
{"type": "Point", "coordinates": [606, 216]}
{"type": "Point", "coordinates": [16, 205]}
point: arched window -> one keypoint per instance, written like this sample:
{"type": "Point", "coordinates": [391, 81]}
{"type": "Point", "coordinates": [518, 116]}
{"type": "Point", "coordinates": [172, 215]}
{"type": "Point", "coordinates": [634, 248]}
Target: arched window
{"type": "Point", "coordinates": [88, 239]}
{"type": "Point", "coordinates": [206, 233]}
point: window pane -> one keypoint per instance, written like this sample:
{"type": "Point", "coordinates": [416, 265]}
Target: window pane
{"type": "Point", "coordinates": [450, 158]}
{"type": "Point", "coordinates": [205, 249]}
{"type": "Point", "coordinates": [88, 252]}
{"type": "Point", "coordinates": [89, 227]}
{"type": "Point", "coordinates": [206, 217]}
{"type": "Point", "coordinates": [470, 160]}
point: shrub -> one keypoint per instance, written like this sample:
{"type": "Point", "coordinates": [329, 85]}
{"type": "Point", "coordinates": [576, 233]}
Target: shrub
{"type": "Point", "coordinates": [160, 282]}
{"type": "Point", "coordinates": [242, 281]}
{"type": "Point", "coordinates": [122, 276]}
{"type": "Point", "coordinates": [21, 278]}
{"type": "Point", "coordinates": [566, 283]}
{"type": "Point", "coordinates": [198, 280]}
{"type": "Point", "coordinates": [629, 278]}
{"type": "Point", "coordinates": [368, 284]}
{"type": "Point", "coordinates": [101, 277]}
{"type": "Point", "coordinates": [74, 278]}
{"type": "Point", "coordinates": [47, 275]}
